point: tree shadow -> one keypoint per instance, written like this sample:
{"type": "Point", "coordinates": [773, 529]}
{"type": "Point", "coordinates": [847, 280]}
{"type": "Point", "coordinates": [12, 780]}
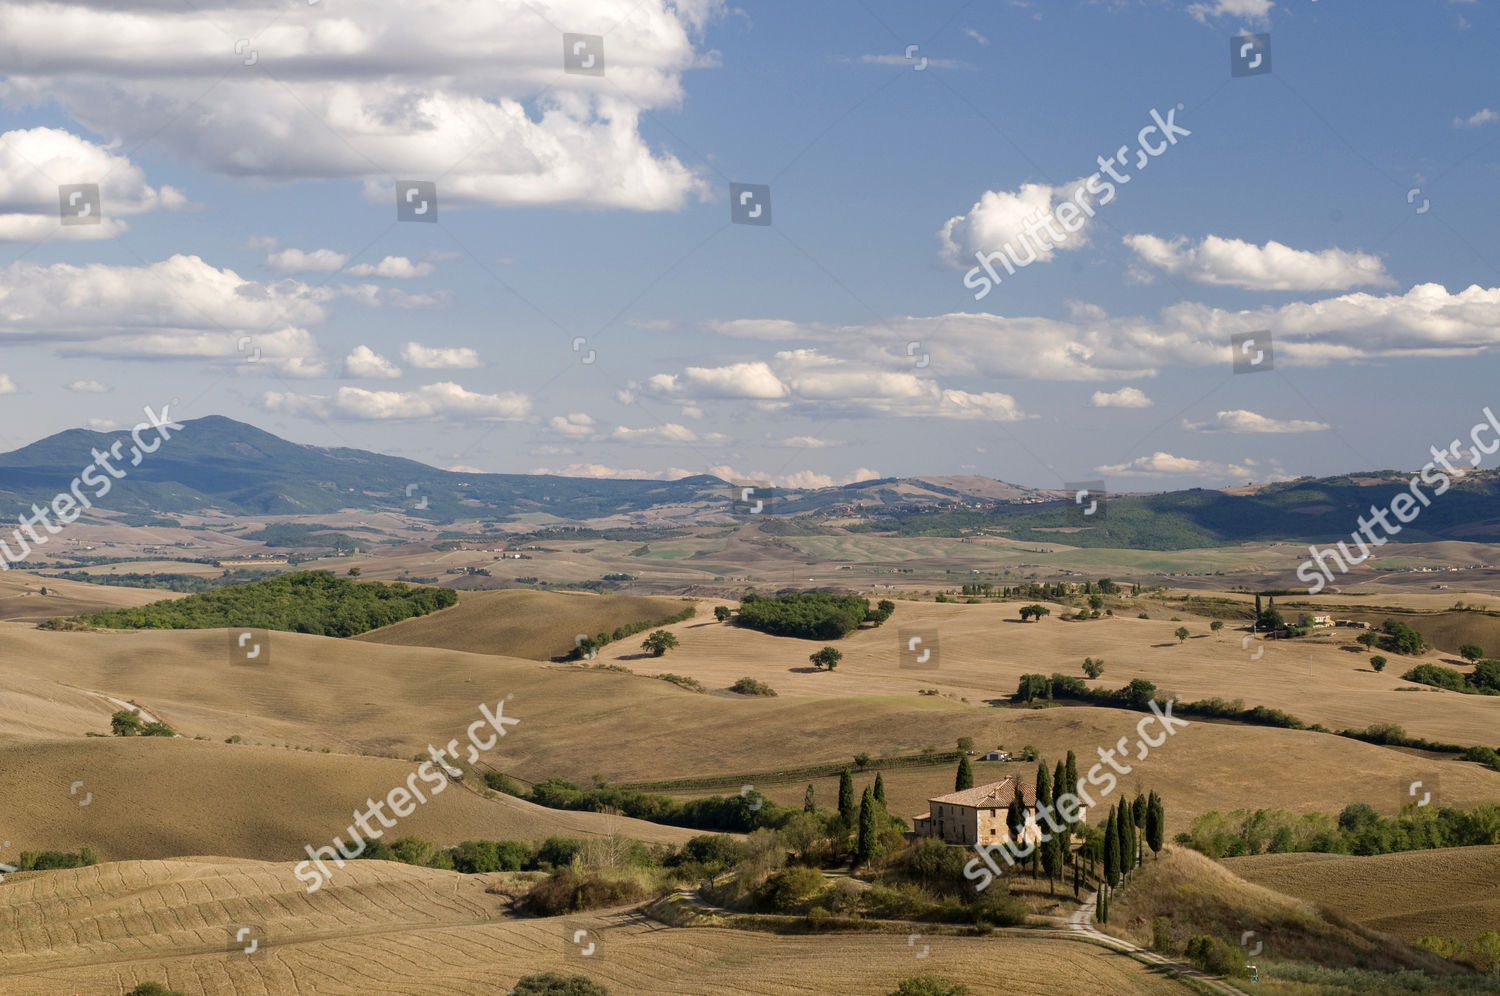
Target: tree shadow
{"type": "Point", "coordinates": [805, 670]}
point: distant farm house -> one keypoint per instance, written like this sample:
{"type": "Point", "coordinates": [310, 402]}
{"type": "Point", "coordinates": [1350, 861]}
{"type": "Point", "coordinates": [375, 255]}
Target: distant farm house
{"type": "Point", "coordinates": [977, 815]}
{"type": "Point", "coordinates": [996, 755]}
{"type": "Point", "coordinates": [1309, 619]}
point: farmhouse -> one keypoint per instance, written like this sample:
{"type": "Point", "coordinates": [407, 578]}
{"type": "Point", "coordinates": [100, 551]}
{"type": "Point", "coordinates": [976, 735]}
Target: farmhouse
{"type": "Point", "coordinates": [977, 815]}
{"type": "Point", "coordinates": [1309, 619]}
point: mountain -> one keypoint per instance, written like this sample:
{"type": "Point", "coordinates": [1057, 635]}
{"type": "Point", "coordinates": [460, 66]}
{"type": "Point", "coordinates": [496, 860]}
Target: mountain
{"type": "Point", "coordinates": [220, 465]}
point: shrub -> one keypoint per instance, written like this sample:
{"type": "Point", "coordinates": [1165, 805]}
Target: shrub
{"type": "Point", "coordinates": [552, 984]}
{"type": "Point", "coordinates": [157, 728]}
{"type": "Point", "coordinates": [749, 686]}
{"type": "Point", "coordinates": [659, 642]}
{"type": "Point", "coordinates": [1215, 956]}
{"type": "Point", "coordinates": [501, 782]}
{"type": "Point", "coordinates": [567, 891]}
{"type": "Point", "coordinates": [126, 723]}
{"type": "Point", "coordinates": [722, 613]}
{"type": "Point", "coordinates": [928, 985]}
{"type": "Point", "coordinates": [683, 681]}
{"type": "Point", "coordinates": [790, 890]}
{"type": "Point", "coordinates": [1161, 935]}
{"type": "Point", "coordinates": [1378, 663]}
{"type": "Point", "coordinates": [828, 657]}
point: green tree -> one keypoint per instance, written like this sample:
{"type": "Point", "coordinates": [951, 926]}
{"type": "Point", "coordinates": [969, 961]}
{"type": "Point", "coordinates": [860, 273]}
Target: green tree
{"type": "Point", "coordinates": [1138, 810]}
{"type": "Point", "coordinates": [1156, 823]}
{"type": "Point", "coordinates": [1368, 638]}
{"type": "Point", "coordinates": [126, 723]}
{"type": "Point", "coordinates": [879, 789]}
{"type": "Point", "coordinates": [354, 572]}
{"type": "Point", "coordinates": [722, 613]}
{"type": "Point", "coordinates": [659, 642]}
{"type": "Point", "coordinates": [1471, 652]}
{"type": "Point", "coordinates": [1112, 849]}
{"type": "Point", "coordinates": [809, 800]}
{"type": "Point", "coordinates": [966, 745]}
{"type": "Point", "coordinates": [867, 844]}
{"type": "Point", "coordinates": [1033, 686]}
{"type": "Point", "coordinates": [1093, 668]}
{"type": "Point", "coordinates": [1015, 818]}
{"type": "Point", "coordinates": [846, 797]}
{"type": "Point", "coordinates": [965, 777]}
{"type": "Point", "coordinates": [553, 984]}
{"type": "Point", "coordinates": [828, 657]}
{"type": "Point", "coordinates": [1181, 633]}
{"type": "Point", "coordinates": [1378, 662]}
{"type": "Point", "coordinates": [928, 985]}
{"type": "Point", "coordinates": [1052, 846]}
{"type": "Point", "coordinates": [1070, 775]}
{"type": "Point", "coordinates": [1216, 625]}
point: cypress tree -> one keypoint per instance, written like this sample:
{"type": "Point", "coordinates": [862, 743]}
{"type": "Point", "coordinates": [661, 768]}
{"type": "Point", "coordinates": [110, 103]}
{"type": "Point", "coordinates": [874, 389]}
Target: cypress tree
{"type": "Point", "coordinates": [1138, 810]}
{"type": "Point", "coordinates": [965, 777]}
{"type": "Point", "coordinates": [1051, 844]}
{"type": "Point", "coordinates": [879, 789]}
{"type": "Point", "coordinates": [1156, 823]}
{"type": "Point", "coordinates": [1111, 849]}
{"type": "Point", "coordinates": [1122, 842]}
{"type": "Point", "coordinates": [809, 800]}
{"type": "Point", "coordinates": [867, 844]}
{"type": "Point", "coordinates": [1099, 904]}
{"type": "Point", "coordinates": [1070, 774]}
{"type": "Point", "coordinates": [1015, 818]}
{"type": "Point", "coordinates": [846, 797]}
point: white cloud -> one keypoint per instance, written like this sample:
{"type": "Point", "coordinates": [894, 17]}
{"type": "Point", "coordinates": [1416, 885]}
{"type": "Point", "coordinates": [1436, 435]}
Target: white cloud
{"type": "Point", "coordinates": [100, 424]}
{"type": "Point", "coordinates": [444, 400]}
{"type": "Point", "coordinates": [88, 387]}
{"type": "Point", "coordinates": [981, 39]}
{"type": "Point", "coordinates": [1241, 420]}
{"type": "Point", "coordinates": [7, 386]}
{"type": "Point", "coordinates": [373, 88]}
{"type": "Point", "coordinates": [396, 267]}
{"type": "Point", "coordinates": [805, 443]}
{"type": "Point", "coordinates": [34, 162]}
{"type": "Point", "coordinates": [297, 261]}
{"type": "Point", "coordinates": [801, 479]}
{"type": "Point", "coordinates": [1480, 117]}
{"type": "Point", "coordinates": [363, 361]}
{"type": "Point", "coordinates": [892, 59]}
{"type": "Point", "coordinates": [599, 470]}
{"type": "Point", "coordinates": [464, 468]}
{"type": "Point", "coordinates": [1162, 464]}
{"type": "Point", "coordinates": [575, 425]}
{"type": "Point", "coordinates": [455, 358]}
{"type": "Point", "coordinates": [1025, 220]}
{"type": "Point", "coordinates": [669, 434]}
{"type": "Point", "coordinates": [1125, 397]}
{"type": "Point", "coordinates": [1272, 266]}
{"type": "Point", "coordinates": [736, 380]}
{"type": "Point", "coordinates": [1257, 11]}
{"type": "Point", "coordinates": [179, 308]}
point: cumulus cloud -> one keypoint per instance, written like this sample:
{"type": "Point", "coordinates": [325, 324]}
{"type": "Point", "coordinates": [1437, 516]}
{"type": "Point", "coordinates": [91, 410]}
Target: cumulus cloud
{"type": "Point", "coordinates": [445, 400]}
{"type": "Point", "coordinates": [395, 267]}
{"type": "Point", "coordinates": [1162, 464]}
{"type": "Point", "coordinates": [810, 381]}
{"type": "Point", "coordinates": [575, 425]}
{"type": "Point", "coordinates": [454, 358]}
{"type": "Point", "coordinates": [7, 386]}
{"type": "Point", "coordinates": [1125, 397]}
{"type": "Point", "coordinates": [34, 162]}
{"type": "Point", "coordinates": [1480, 117]}
{"type": "Point", "coordinates": [363, 361]}
{"type": "Point", "coordinates": [1272, 266]}
{"type": "Point", "coordinates": [179, 308]}
{"type": "Point", "coordinates": [800, 479]}
{"type": "Point", "coordinates": [1091, 345]}
{"type": "Point", "coordinates": [297, 261]}
{"type": "Point", "coordinates": [88, 387]}
{"type": "Point", "coordinates": [1026, 220]}
{"type": "Point", "coordinates": [374, 88]}
{"type": "Point", "coordinates": [1241, 420]}
{"type": "Point", "coordinates": [1256, 11]}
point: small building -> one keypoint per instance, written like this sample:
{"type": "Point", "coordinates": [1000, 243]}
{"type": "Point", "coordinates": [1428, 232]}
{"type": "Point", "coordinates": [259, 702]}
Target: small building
{"type": "Point", "coordinates": [1308, 619]}
{"type": "Point", "coordinates": [996, 755]}
{"type": "Point", "coordinates": [977, 815]}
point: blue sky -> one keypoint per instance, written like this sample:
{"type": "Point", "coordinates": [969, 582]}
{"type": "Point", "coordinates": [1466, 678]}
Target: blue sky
{"type": "Point", "coordinates": [249, 210]}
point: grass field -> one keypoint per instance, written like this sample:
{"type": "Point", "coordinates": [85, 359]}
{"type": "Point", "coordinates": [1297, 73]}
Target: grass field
{"type": "Point", "coordinates": [532, 624]}
{"type": "Point", "coordinates": [392, 929]}
{"type": "Point", "coordinates": [1452, 892]}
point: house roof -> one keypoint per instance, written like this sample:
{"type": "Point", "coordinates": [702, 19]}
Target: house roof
{"type": "Point", "coordinates": [995, 795]}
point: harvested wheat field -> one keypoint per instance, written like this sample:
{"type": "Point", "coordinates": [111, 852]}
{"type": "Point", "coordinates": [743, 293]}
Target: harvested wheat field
{"type": "Point", "coordinates": [157, 797]}
{"type": "Point", "coordinates": [538, 625]}
{"type": "Point", "coordinates": [1452, 892]}
{"type": "Point", "coordinates": [393, 929]}
{"type": "Point", "coordinates": [21, 598]}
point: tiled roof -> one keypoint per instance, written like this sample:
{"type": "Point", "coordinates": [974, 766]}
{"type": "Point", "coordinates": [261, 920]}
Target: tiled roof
{"type": "Point", "coordinates": [995, 795]}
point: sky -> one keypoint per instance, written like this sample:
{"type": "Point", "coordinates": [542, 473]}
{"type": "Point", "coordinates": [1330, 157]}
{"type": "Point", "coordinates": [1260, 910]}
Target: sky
{"type": "Point", "coordinates": [1020, 239]}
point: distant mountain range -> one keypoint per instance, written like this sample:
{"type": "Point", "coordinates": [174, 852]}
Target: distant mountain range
{"type": "Point", "coordinates": [216, 464]}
